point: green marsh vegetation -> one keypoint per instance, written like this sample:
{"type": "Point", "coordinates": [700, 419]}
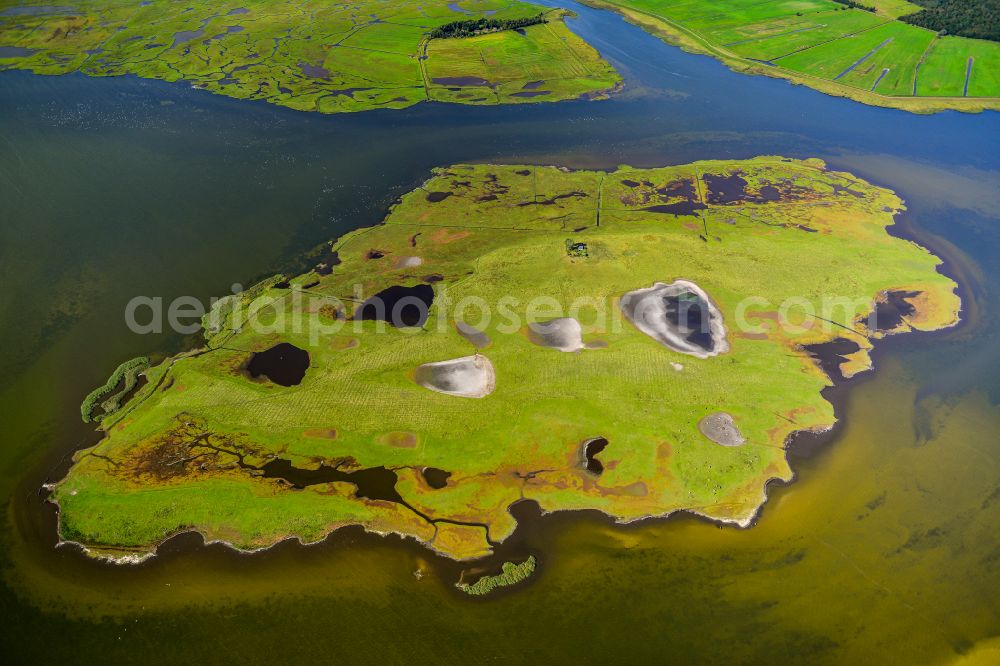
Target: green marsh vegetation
{"type": "Point", "coordinates": [868, 56]}
{"type": "Point", "coordinates": [107, 397]}
{"type": "Point", "coordinates": [239, 458]}
{"type": "Point", "coordinates": [510, 574]}
{"type": "Point", "coordinates": [514, 66]}
{"type": "Point", "coordinates": [212, 321]}
{"type": "Point", "coordinates": [310, 56]}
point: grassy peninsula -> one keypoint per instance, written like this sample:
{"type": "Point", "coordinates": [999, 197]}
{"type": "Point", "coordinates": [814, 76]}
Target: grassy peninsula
{"type": "Point", "coordinates": [315, 56]}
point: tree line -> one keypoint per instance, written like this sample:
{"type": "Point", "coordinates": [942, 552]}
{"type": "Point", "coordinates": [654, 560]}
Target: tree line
{"type": "Point", "coordinates": [856, 5]}
{"type": "Point", "coordinates": [480, 26]}
{"type": "Point", "coordinates": [979, 19]}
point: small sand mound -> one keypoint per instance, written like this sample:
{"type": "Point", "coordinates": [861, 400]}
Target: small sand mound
{"type": "Point", "coordinates": [408, 262]}
{"type": "Point", "coordinates": [473, 335]}
{"type": "Point", "coordinates": [721, 429]}
{"type": "Point", "coordinates": [564, 334]}
{"type": "Point", "coordinates": [467, 377]}
{"type": "Point", "coordinates": [679, 315]}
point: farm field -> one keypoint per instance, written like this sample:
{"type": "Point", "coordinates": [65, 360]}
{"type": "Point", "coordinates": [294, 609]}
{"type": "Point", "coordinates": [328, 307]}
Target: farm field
{"type": "Point", "coordinates": [867, 56]}
{"type": "Point", "coordinates": [887, 54]}
{"type": "Point", "coordinates": [785, 37]}
{"type": "Point", "coordinates": [307, 411]}
{"type": "Point", "coordinates": [894, 8]}
{"type": "Point", "coordinates": [309, 56]}
{"type": "Point", "coordinates": [944, 69]}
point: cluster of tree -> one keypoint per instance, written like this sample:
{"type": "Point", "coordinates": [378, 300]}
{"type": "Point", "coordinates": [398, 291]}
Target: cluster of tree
{"type": "Point", "coordinates": [482, 26]}
{"type": "Point", "coordinates": [855, 5]}
{"type": "Point", "coordinates": [966, 18]}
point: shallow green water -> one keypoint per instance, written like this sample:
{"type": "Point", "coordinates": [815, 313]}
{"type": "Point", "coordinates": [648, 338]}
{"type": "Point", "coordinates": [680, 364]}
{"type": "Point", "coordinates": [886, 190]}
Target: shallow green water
{"type": "Point", "coordinates": [885, 547]}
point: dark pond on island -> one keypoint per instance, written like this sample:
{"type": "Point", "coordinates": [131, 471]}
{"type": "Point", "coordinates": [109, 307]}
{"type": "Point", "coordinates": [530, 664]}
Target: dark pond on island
{"type": "Point", "coordinates": [284, 364]}
{"type": "Point", "coordinates": [885, 546]}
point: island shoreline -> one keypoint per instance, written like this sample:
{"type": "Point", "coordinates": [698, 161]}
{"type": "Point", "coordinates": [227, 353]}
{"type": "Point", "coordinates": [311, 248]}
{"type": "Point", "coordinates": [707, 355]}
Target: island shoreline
{"type": "Point", "coordinates": [800, 444]}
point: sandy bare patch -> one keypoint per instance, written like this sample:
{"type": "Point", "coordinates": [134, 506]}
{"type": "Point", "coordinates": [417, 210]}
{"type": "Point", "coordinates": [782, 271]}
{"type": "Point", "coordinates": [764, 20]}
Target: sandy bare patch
{"type": "Point", "coordinates": [320, 433]}
{"type": "Point", "coordinates": [564, 334]}
{"type": "Point", "coordinates": [679, 315]}
{"type": "Point", "coordinates": [400, 439]}
{"type": "Point", "coordinates": [721, 429]}
{"type": "Point", "coordinates": [466, 377]}
{"type": "Point", "coordinates": [443, 236]}
{"type": "Point", "coordinates": [341, 344]}
{"type": "Point", "coordinates": [473, 335]}
{"type": "Point", "coordinates": [408, 262]}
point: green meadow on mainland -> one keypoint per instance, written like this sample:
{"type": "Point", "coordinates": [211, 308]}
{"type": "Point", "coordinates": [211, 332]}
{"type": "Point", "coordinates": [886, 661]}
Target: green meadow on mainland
{"type": "Point", "coordinates": [312, 55]}
{"type": "Point", "coordinates": [537, 62]}
{"type": "Point", "coordinates": [869, 56]}
{"type": "Point", "coordinates": [947, 61]}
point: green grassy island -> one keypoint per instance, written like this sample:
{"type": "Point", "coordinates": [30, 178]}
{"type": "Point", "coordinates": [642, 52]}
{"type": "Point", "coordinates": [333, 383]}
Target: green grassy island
{"type": "Point", "coordinates": [858, 50]}
{"type": "Point", "coordinates": [510, 574]}
{"type": "Point", "coordinates": [315, 56]}
{"type": "Point", "coordinates": [585, 388]}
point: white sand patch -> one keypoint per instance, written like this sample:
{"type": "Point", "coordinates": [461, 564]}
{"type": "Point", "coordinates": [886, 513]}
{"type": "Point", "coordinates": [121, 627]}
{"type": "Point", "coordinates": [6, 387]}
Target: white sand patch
{"type": "Point", "coordinates": [466, 377]}
{"type": "Point", "coordinates": [472, 334]}
{"type": "Point", "coordinates": [721, 429]}
{"type": "Point", "coordinates": [408, 262]}
{"type": "Point", "coordinates": [564, 334]}
{"type": "Point", "coordinates": [650, 310]}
